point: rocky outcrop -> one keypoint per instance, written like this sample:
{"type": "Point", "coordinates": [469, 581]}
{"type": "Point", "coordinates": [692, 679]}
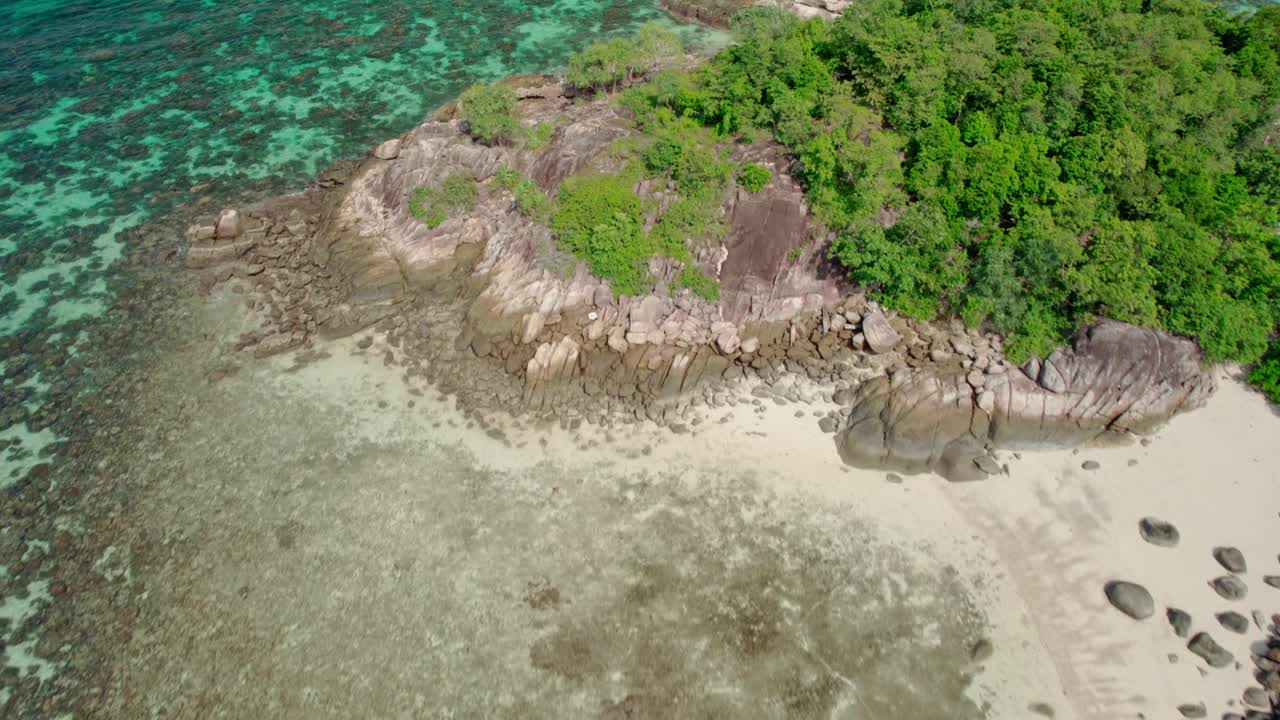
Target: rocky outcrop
{"type": "Point", "coordinates": [486, 306]}
{"type": "Point", "coordinates": [1119, 379]}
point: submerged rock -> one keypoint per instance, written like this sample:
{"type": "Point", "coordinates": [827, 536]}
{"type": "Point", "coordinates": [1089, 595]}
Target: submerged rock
{"type": "Point", "coordinates": [1130, 598]}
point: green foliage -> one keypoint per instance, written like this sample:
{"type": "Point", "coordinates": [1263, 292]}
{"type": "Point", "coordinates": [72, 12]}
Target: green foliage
{"type": "Point", "coordinates": [690, 220]}
{"type": "Point", "coordinates": [795, 253]}
{"type": "Point", "coordinates": [537, 137]}
{"type": "Point", "coordinates": [1027, 165]}
{"type": "Point", "coordinates": [456, 195]}
{"type": "Point", "coordinates": [599, 219]}
{"type": "Point", "coordinates": [707, 288]}
{"type": "Point", "coordinates": [753, 177]}
{"type": "Point", "coordinates": [530, 200]}
{"type": "Point", "coordinates": [1266, 374]}
{"type": "Point", "coordinates": [490, 112]}
{"type": "Point", "coordinates": [682, 152]}
{"type": "Point", "coordinates": [609, 63]}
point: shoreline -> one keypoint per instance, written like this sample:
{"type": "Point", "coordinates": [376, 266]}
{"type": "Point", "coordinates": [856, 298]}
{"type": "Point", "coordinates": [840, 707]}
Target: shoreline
{"type": "Point", "coordinates": [1032, 549]}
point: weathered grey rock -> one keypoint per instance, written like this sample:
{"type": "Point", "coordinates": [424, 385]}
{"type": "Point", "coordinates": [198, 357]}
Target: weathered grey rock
{"type": "Point", "coordinates": [1130, 598]}
{"type": "Point", "coordinates": [1119, 379]}
{"type": "Point", "coordinates": [1233, 621]}
{"type": "Point", "coordinates": [1260, 619]}
{"type": "Point", "coordinates": [1272, 580]}
{"type": "Point", "coordinates": [728, 342]}
{"type": "Point", "coordinates": [1180, 620]}
{"type": "Point", "coordinates": [388, 150]}
{"type": "Point", "coordinates": [828, 424]}
{"type": "Point", "coordinates": [1230, 558]}
{"type": "Point", "coordinates": [1090, 465]}
{"type": "Point", "coordinates": [879, 334]}
{"type": "Point", "coordinates": [1210, 651]}
{"type": "Point", "coordinates": [1193, 710]}
{"type": "Point", "coordinates": [1257, 697]}
{"type": "Point", "coordinates": [1158, 532]}
{"type": "Point", "coordinates": [228, 225]}
{"type": "Point", "coordinates": [1230, 587]}
{"type": "Point", "coordinates": [987, 464]}
{"type": "Point", "coordinates": [1271, 678]}
{"type": "Point", "coordinates": [1051, 378]}
{"type": "Point", "coordinates": [894, 478]}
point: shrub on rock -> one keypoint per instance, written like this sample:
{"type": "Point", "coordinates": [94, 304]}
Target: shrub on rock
{"type": "Point", "coordinates": [490, 112]}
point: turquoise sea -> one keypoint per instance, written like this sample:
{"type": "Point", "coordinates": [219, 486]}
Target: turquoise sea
{"type": "Point", "coordinates": [116, 112]}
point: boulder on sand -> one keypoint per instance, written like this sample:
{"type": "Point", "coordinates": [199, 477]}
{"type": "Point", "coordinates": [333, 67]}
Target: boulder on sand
{"type": "Point", "coordinates": [1130, 598]}
{"type": "Point", "coordinates": [1210, 651]}
{"type": "Point", "coordinates": [1119, 379]}
{"type": "Point", "coordinates": [1230, 558]}
{"type": "Point", "coordinates": [1230, 587]}
{"type": "Point", "coordinates": [1180, 621]}
{"type": "Point", "coordinates": [1158, 532]}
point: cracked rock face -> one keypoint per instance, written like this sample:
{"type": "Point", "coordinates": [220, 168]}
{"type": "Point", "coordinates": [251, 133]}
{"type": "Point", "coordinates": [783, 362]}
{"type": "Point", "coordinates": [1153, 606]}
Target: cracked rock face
{"type": "Point", "coordinates": [1118, 379]}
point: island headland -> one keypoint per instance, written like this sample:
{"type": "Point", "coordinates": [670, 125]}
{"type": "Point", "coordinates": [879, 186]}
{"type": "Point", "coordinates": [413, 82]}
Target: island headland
{"type": "Point", "coordinates": [481, 305]}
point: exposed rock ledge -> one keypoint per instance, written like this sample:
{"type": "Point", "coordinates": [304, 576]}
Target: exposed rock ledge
{"type": "Point", "coordinates": [1119, 379]}
{"type": "Point", "coordinates": [477, 306]}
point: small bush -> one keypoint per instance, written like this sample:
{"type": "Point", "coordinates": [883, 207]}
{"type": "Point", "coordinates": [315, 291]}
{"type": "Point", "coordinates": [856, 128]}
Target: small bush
{"type": "Point", "coordinates": [1266, 374]}
{"type": "Point", "coordinates": [707, 288]}
{"type": "Point", "coordinates": [431, 206]}
{"type": "Point", "coordinates": [794, 253]}
{"type": "Point", "coordinates": [490, 112]}
{"type": "Point", "coordinates": [697, 218]}
{"type": "Point", "coordinates": [603, 64]}
{"type": "Point", "coordinates": [600, 220]}
{"type": "Point", "coordinates": [688, 159]}
{"type": "Point", "coordinates": [753, 177]}
{"type": "Point", "coordinates": [530, 200]}
{"type": "Point", "coordinates": [537, 137]}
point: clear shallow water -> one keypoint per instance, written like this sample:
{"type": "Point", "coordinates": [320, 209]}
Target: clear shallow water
{"type": "Point", "coordinates": [112, 112]}
{"type": "Point", "coordinates": [116, 112]}
{"type": "Point", "coordinates": [120, 119]}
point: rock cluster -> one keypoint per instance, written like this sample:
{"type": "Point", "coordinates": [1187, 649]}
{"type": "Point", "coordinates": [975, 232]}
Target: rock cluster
{"type": "Point", "coordinates": [1119, 379]}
